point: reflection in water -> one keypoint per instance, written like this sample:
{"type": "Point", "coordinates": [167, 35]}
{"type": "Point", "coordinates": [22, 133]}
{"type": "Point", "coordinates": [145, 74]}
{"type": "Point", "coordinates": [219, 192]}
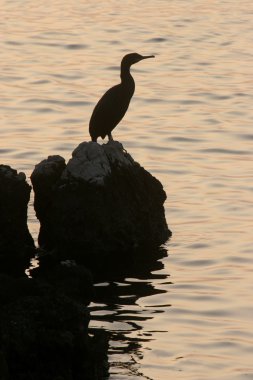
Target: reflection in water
{"type": "Point", "coordinates": [133, 264]}
{"type": "Point", "coordinates": [116, 308]}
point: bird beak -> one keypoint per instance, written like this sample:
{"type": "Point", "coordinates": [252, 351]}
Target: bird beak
{"type": "Point", "coordinates": [147, 56]}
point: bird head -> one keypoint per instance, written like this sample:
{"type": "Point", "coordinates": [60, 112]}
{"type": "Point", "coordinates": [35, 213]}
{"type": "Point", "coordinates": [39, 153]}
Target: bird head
{"type": "Point", "coordinates": [133, 58]}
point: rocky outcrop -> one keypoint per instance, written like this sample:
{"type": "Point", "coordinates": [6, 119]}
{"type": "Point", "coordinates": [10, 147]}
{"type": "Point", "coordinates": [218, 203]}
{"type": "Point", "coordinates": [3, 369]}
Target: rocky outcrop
{"type": "Point", "coordinates": [16, 243]}
{"type": "Point", "coordinates": [44, 178]}
{"type": "Point", "coordinates": [102, 204]}
{"type": "Point", "coordinates": [71, 280]}
{"type": "Point", "coordinates": [44, 334]}
{"type": "Point", "coordinates": [43, 320]}
{"type": "Point", "coordinates": [102, 210]}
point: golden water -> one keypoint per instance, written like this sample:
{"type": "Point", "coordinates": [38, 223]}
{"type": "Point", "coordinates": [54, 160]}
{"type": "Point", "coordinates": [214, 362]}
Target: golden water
{"type": "Point", "coordinates": [190, 124]}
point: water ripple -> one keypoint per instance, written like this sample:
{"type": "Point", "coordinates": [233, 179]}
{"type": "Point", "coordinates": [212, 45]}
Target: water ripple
{"type": "Point", "coordinates": [65, 103]}
{"type": "Point", "coordinates": [245, 136]}
{"type": "Point", "coordinates": [62, 46]}
{"type": "Point", "coordinates": [6, 150]}
{"type": "Point", "coordinates": [76, 46]}
{"type": "Point", "coordinates": [225, 151]}
{"type": "Point", "coordinates": [157, 39]}
{"type": "Point", "coordinates": [14, 43]}
{"type": "Point", "coordinates": [184, 139]}
{"type": "Point", "coordinates": [42, 81]}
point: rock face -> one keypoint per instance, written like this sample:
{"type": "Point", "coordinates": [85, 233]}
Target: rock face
{"type": "Point", "coordinates": [43, 320]}
{"type": "Point", "coordinates": [16, 243]}
{"type": "Point", "coordinates": [102, 202]}
{"type": "Point", "coordinates": [44, 178]}
{"type": "Point", "coordinates": [44, 334]}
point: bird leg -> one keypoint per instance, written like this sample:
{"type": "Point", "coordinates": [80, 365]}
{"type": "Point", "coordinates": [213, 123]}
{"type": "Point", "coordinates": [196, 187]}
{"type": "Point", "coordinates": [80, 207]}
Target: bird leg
{"type": "Point", "coordinates": [110, 136]}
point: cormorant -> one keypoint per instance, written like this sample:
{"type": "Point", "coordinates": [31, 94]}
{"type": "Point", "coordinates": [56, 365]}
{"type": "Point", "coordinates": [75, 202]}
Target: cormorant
{"type": "Point", "coordinates": [114, 103]}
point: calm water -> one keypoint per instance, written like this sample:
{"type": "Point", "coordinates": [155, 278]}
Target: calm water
{"type": "Point", "coordinates": [190, 124]}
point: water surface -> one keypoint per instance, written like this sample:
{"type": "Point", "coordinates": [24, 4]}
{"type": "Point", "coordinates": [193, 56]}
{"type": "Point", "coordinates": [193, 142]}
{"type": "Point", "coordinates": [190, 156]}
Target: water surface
{"type": "Point", "coordinates": [189, 124]}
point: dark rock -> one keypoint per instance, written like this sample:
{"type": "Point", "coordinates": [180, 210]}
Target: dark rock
{"type": "Point", "coordinates": [44, 177]}
{"type": "Point", "coordinates": [102, 204]}
{"type": "Point", "coordinates": [39, 336]}
{"type": "Point", "coordinates": [4, 371]}
{"type": "Point", "coordinates": [43, 320]}
{"type": "Point", "coordinates": [16, 243]}
{"type": "Point", "coordinates": [44, 335]}
{"type": "Point", "coordinates": [69, 279]}
{"type": "Point", "coordinates": [12, 289]}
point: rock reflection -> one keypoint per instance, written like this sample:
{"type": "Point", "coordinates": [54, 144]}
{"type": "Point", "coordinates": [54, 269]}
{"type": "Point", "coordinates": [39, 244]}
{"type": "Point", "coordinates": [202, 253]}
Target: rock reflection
{"type": "Point", "coordinates": [134, 264]}
{"type": "Point", "coordinates": [116, 309]}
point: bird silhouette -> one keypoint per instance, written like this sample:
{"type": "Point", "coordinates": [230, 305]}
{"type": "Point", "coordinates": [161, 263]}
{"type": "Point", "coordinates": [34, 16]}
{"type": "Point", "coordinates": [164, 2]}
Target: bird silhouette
{"type": "Point", "coordinates": [114, 103]}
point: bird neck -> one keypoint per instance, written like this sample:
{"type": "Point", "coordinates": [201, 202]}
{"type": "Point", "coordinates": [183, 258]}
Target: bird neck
{"type": "Point", "coordinates": [125, 74]}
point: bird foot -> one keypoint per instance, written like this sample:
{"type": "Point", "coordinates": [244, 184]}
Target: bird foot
{"type": "Point", "coordinates": [110, 137]}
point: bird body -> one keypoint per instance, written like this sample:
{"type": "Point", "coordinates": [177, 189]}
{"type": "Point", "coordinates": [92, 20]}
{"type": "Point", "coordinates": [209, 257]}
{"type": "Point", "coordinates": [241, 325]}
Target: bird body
{"type": "Point", "coordinates": [113, 105]}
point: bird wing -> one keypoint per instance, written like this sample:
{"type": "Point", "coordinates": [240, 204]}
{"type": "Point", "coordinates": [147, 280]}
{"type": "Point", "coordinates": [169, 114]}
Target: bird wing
{"type": "Point", "coordinates": [110, 103]}
{"type": "Point", "coordinates": [109, 111]}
